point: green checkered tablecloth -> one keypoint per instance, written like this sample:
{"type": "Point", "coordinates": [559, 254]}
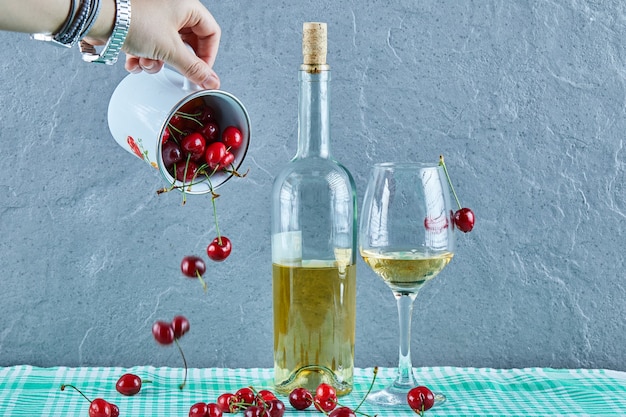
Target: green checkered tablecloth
{"type": "Point", "coordinates": [32, 391]}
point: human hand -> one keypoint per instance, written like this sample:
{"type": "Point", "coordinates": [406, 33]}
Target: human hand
{"type": "Point", "coordinates": [158, 33]}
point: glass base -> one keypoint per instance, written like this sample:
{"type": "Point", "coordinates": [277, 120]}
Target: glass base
{"type": "Point", "coordinates": [395, 397]}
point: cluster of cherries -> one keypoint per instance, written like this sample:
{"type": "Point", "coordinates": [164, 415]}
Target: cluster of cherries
{"type": "Point", "coordinates": [324, 400]}
{"type": "Point", "coordinates": [250, 402]}
{"type": "Point", "coordinates": [193, 145]}
{"type": "Point", "coordinates": [463, 218]}
{"type": "Point", "coordinates": [194, 148]}
{"type": "Point", "coordinates": [265, 404]}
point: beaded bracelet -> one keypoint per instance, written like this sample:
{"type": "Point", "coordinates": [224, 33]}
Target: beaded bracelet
{"type": "Point", "coordinates": [78, 25]}
{"type": "Point", "coordinates": [70, 37]}
{"type": "Point", "coordinates": [94, 11]}
{"type": "Point", "coordinates": [48, 37]}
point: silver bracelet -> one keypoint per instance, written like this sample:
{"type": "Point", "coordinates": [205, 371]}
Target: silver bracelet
{"type": "Point", "coordinates": [112, 49]}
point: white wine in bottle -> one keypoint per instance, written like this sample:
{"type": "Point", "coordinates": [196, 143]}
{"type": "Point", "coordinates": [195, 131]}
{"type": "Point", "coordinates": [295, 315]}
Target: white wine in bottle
{"type": "Point", "coordinates": [314, 243]}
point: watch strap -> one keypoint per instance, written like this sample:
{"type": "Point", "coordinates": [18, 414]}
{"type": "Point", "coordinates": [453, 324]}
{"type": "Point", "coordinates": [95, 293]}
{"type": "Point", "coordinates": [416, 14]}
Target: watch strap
{"type": "Point", "coordinates": [112, 48]}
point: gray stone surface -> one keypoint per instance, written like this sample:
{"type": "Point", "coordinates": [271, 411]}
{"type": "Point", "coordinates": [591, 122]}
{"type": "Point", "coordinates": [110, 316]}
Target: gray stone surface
{"type": "Point", "coordinates": [526, 100]}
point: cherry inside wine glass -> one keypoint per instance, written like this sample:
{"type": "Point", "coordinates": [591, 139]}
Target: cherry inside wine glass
{"type": "Point", "coordinates": [406, 237]}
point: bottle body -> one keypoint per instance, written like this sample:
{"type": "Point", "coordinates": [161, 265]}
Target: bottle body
{"type": "Point", "coordinates": [314, 256]}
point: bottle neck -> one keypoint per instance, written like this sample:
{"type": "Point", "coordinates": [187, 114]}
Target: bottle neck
{"type": "Point", "coordinates": [314, 114]}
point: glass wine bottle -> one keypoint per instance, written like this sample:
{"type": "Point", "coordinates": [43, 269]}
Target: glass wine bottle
{"type": "Point", "coordinates": [314, 243]}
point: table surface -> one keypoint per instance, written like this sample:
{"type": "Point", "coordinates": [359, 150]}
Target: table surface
{"type": "Point", "coordinates": [32, 391]}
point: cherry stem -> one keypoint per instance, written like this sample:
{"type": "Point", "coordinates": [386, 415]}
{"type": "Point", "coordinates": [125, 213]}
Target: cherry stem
{"type": "Point", "coordinates": [445, 170]}
{"type": "Point", "coordinates": [173, 186]}
{"type": "Point", "coordinates": [201, 280]}
{"type": "Point", "coordinates": [174, 128]}
{"type": "Point", "coordinates": [79, 391]}
{"type": "Point", "coordinates": [217, 227]}
{"type": "Point", "coordinates": [190, 116]}
{"type": "Point", "coordinates": [185, 177]}
{"type": "Point", "coordinates": [368, 390]}
{"type": "Point", "coordinates": [181, 386]}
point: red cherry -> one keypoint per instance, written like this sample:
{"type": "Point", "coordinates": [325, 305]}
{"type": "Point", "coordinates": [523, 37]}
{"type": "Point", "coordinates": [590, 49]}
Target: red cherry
{"type": "Point", "coordinates": [342, 412]}
{"type": "Point", "coordinates": [186, 172]}
{"type": "Point", "coordinates": [213, 410]}
{"type": "Point", "coordinates": [325, 392]}
{"type": "Point", "coordinates": [208, 114]}
{"type": "Point", "coordinates": [226, 402]}
{"type": "Point", "coordinates": [232, 137]}
{"type": "Point", "coordinates": [214, 154]}
{"type": "Point", "coordinates": [264, 396]}
{"type": "Point", "coordinates": [198, 410]}
{"type": "Point", "coordinates": [219, 249]}
{"type": "Point", "coordinates": [245, 396]}
{"type": "Point", "coordinates": [166, 135]}
{"type": "Point", "coordinates": [420, 399]}
{"type": "Point", "coordinates": [180, 325]}
{"type": "Point", "coordinates": [100, 408]}
{"type": "Point", "coordinates": [276, 408]}
{"type": "Point", "coordinates": [163, 332]}
{"type": "Point", "coordinates": [436, 225]}
{"type": "Point", "coordinates": [300, 398]}
{"type": "Point", "coordinates": [464, 219]}
{"type": "Point", "coordinates": [171, 154]}
{"type": "Point", "coordinates": [324, 405]}
{"type": "Point", "coordinates": [192, 266]}
{"type": "Point", "coordinates": [211, 131]}
{"type": "Point", "coordinates": [192, 107]}
{"type": "Point", "coordinates": [227, 160]}
{"type": "Point", "coordinates": [128, 384]}
{"type": "Point", "coordinates": [255, 411]}
{"type": "Point", "coordinates": [193, 144]}
{"type": "Point", "coordinates": [176, 120]}
{"type": "Point", "coordinates": [325, 398]}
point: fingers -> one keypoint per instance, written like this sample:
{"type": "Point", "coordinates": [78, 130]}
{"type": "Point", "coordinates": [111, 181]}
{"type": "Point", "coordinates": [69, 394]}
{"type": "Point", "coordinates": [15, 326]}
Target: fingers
{"type": "Point", "coordinates": [202, 32]}
{"type": "Point", "coordinates": [151, 66]}
{"type": "Point", "coordinates": [208, 34]}
{"type": "Point", "coordinates": [149, 47]}
{"type": "Point", "coordinates": [132, 64]}
{"type": "Point", "coordinates": [136, 64]}
{"type": "Point", "coordinates": [194, 68]}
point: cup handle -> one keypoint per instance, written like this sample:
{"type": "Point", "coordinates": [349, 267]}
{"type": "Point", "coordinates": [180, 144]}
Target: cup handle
{"type": "Point", "coordinates": [188, 85]}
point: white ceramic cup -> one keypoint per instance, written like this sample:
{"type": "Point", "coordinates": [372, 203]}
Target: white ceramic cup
{"type": "Point", "coordinates": [141, 106]}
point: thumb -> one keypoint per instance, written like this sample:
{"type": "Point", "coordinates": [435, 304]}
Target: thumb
{"type": "Point", "coordinates": [194, 69]}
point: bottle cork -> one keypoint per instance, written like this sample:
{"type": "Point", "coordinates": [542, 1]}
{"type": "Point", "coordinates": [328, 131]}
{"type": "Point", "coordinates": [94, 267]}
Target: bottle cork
{"type": "Point", "coordinates": [314, 45]}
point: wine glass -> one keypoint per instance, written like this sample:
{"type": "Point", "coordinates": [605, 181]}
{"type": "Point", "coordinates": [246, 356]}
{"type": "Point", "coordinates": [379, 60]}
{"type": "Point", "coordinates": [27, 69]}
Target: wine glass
{"type": "Point", "coordinates": [406, 237]}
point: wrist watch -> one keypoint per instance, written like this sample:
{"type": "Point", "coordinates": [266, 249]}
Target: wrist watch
{"type": "Point", "coordinates": [112, 48]}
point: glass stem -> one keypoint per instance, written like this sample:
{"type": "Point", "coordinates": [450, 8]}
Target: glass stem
{"type": "Point", "coordinates": [405, 378]}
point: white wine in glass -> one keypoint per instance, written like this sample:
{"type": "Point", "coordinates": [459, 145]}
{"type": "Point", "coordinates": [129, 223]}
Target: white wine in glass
{"type": "Point", "coordinates": [406, 237]}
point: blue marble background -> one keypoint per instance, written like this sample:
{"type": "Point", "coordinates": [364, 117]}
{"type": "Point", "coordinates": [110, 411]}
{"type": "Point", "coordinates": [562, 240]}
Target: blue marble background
{"type": "Point", "coordinates": [526, 99]}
